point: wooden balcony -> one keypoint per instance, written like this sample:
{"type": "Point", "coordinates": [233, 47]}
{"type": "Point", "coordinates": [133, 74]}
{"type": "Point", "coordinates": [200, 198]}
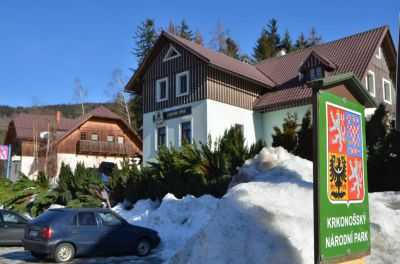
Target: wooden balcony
{"type": "Point", "coordinates": [104, 148]}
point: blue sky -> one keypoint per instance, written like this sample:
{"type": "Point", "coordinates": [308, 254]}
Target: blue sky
{"type": "Point", "coordinates": [46, 44]}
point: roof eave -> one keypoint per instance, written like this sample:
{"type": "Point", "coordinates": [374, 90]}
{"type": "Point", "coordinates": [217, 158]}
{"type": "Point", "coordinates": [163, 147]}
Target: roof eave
{"type": "Point", "coordinates": [352, 82]}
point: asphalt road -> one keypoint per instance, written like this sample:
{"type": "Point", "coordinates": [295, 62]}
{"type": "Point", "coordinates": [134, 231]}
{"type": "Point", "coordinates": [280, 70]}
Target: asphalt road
{"type": "Point", "coordinates": [14, 255]}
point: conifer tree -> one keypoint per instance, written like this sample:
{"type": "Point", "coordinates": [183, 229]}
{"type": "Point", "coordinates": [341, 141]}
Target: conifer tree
{"type": "Point", "coordinates": [301, 42]}
{"type": "Point", "coordinates": [286, 138]}
{"type": "Point", "coordinates": [232, 48]}
{"type": "Point", "coordinates": [184, 31]}
{"type": "Point", "coordinates": [287, 41]}
{"type": "Point", "coordinates": [263, 49]}
{"type": "Point", "coordinates": [304, 147]}
{"type": "Point", "coordinates": [198, 38]}
{"type": "Point", "coordinates": [145, 37]}
{"type": "Point", "coordinates": [272, 31]}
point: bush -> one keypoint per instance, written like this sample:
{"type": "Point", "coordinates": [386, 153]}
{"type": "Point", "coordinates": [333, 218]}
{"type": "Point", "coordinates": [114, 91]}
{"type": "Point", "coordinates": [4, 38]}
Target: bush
{"type": "Point", "coordinates": [288, 137]}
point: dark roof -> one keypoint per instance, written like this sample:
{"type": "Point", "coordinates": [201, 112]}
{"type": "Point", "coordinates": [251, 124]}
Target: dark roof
{"type": "Point", "coordinates": [350, 54]}
{"type": "Point", "coordinates": [24, 124]}
{"type": "Point", "coordinates": [211, 57]}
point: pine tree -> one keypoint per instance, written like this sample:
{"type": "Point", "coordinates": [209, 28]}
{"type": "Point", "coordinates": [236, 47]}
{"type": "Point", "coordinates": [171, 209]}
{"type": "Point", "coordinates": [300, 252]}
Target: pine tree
{"type": "Point", "coordinates": [198, 38]}
{"type": "Point", "coordinates": [301, 42]}
{"type": "Point", "coordinates": [287, 41]}
{"type": "Point", "coordinates": [272, 31]}
{"type": "Point", "coordinates": [314, 39]}
{"type": "Point", "coordinates": [145, 37]}
{"type": "Point", "coordinates": [264, 48]}
{"type": "Point", "coordinates": [184, 31]}
{"type": "Point", "coordinates": [232, 48]}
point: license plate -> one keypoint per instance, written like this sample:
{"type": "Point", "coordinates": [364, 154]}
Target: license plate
{"type": "Point", "coordinates": [33, 233]}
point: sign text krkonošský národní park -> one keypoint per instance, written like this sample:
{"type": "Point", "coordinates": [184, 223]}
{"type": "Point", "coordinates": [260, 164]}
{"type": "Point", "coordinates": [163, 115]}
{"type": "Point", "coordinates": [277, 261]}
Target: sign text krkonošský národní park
{"type": "Point", "coordinates": [344, 227]}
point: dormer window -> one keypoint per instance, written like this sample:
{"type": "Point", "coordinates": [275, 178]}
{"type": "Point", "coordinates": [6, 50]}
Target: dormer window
{"type": "Point", "coordinates": [172, 53]}
{"type": "Point", "coordinates": [315, 73]}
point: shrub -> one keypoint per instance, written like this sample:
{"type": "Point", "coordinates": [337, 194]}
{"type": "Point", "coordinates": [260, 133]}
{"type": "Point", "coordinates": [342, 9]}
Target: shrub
{"type": "Point", "coordinates": [286, 138]}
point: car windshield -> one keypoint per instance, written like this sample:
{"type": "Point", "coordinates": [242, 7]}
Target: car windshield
{"type": "Point", "coordinates": [48, 216]}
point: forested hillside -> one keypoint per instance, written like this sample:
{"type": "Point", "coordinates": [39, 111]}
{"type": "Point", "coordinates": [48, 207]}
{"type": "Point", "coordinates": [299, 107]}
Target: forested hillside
{"type": "Point", "coordinates": [7, 113]}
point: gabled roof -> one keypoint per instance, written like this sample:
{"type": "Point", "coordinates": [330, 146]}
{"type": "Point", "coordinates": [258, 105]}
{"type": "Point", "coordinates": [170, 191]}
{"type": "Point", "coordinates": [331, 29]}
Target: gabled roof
{"type": "Point", "coordinates": [99, 112]}
{"type": "Point", "coordinates": [350, 54]}
{"type": "Point", "coordinates": [24, 124]}
{"type": "Point", "coordinates": [315, 58]}
{"type": "Point", "coordinates": [209, 56]}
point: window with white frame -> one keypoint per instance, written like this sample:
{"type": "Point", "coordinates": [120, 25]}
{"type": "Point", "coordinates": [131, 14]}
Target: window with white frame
{"type": "Point", "coordinates": [370, 82]}
{"type": "Point", "coordinates": [121, 139]}
{"type": "Point", "coordinates": [315, 73]}
{"type": "Point", "coordinates": [378, 53]}
{"type": "Point", "coordinates": [172, 53]}
{"type": "Point", "coordinates": [387, 91]}
{"type": "Point", "coordinates": [110, 138]}
{"type": "Point", "coordinates": [182, 83]}
{"type": "Point", "coordinates": [162, 89]}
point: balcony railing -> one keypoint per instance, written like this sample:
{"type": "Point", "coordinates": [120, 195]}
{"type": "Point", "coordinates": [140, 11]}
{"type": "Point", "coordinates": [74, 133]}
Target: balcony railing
{"type": "Point", "coordinates": [106, 148]}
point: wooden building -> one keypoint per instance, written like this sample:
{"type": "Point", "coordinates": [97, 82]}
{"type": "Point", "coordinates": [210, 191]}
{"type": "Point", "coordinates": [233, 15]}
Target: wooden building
{"type": "Point", "coordinates": [42, 142]}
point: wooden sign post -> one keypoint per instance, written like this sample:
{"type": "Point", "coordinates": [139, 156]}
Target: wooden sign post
{"type": "Point", "coordinates": [341, 215]}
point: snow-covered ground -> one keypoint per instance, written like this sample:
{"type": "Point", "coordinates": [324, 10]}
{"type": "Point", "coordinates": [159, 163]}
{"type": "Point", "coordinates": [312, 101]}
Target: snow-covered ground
{"type": "Point", "coordinates": [266, 217]}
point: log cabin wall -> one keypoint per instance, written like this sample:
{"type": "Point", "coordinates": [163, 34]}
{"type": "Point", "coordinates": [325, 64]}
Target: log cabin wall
{"type": "Point", "coordinates": [160, 69]}
{"type": "Point", "coordinates": [103, 128]}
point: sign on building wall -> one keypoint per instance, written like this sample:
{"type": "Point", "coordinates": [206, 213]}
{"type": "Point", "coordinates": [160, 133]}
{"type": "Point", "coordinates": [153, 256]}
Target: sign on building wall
{"type": "Point", "coordinates": [4, 152]}
{"type": "Point", "coordinates": [343, 227]}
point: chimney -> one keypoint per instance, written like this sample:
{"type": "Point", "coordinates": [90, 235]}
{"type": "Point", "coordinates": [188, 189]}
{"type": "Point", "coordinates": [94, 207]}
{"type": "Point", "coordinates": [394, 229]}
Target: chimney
{"type": "Point", "coordinates": [280, 50]}
{"type": "Point", "coordinates": [58, 116]}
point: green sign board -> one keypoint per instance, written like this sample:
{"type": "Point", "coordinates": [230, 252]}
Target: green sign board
{"type": "Point", "coordinates": [343, 227]}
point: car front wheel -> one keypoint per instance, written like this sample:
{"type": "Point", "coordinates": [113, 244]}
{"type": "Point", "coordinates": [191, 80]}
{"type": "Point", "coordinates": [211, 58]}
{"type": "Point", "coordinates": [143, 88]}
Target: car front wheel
{"type": "Point", "coordinates": [143, 247]}
{"type": "Point", "coordinates": [64, 252]}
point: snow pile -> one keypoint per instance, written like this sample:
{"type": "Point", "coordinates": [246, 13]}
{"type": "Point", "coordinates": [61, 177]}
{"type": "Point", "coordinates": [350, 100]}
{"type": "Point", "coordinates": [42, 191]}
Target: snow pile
{"type": "Point", "coordinates": [176, 220]}
{"type": "Point", "coordinates": [266, 217]}
{"type": "Point", "coordinates": [385, 227]}
{"type": "Point", "coordinates": [267, 220]}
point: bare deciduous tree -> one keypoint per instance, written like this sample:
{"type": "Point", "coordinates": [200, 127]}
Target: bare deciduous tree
{"type": "Point", "coordinates": [80, 94]}
{"type": "Point", "coordinates": [218, 37]}
{"type": "Point", "coordinates": [118, 95]}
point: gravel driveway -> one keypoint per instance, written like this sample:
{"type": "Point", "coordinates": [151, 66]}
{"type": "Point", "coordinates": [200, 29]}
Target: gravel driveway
{"type": "Point", "coordinates": [14, 255]}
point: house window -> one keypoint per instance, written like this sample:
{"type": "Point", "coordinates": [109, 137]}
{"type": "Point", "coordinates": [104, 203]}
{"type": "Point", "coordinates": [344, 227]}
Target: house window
{"type": "Point", "coordinates": [182, 83]}
{"type": "Point", "coordinates": [378, 53]}
{"type": "Point", "coordinates": [387, 92]}
{"type": "Point", "coordinates": [240, 128]}
{"type": "Point", "coordinates": [172, 53]}
{"type": "Point", "coordinates": [84, 135]}
{"type": "Point", "coordinates": [315, 73]}
{"type": "Point", "coordinates": [162, 89]}
{"type": "Point", "coordinates": [110, 138]}
{"type": "Point", "coordinates": [186, 132]}
{"type": "Point", "coordinates": [161, 136]}
{"type": "Point", "coordinates": [121, 139]}
{"type": "Point", "coordinates": [95, 136]}
{"type": "Point", "coordinates": [370, 82]}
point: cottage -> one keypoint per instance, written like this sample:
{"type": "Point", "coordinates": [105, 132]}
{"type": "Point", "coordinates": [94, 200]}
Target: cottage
{"type": "Point", "coordinates": [190, 91]}
{"type": "Point", "coordinates": [42, 142]}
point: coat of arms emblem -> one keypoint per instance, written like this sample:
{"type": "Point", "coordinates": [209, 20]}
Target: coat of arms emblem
{"type": "Point", "coordinates": [345, 166]}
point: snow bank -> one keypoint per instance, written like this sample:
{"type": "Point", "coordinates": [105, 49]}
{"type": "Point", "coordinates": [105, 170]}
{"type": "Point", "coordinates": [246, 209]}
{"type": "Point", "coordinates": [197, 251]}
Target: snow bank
{"type": "Point", "coordinates": [266, 217]}
{"type": "Point", "coordinates": [176, 220]}
{"type": "Point", "coordinates": [267, 220]}
{"type": "Point", "coordinates": [385, 227]}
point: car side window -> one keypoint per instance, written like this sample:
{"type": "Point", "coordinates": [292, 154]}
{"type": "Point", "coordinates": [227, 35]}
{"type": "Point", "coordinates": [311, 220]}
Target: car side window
{"type": "Point", "coordinates": [108, 219]}
{"type": "Point", "coordinates": [11, 218]}
{"type": "Point", "coordinates": [87, 219]}
{"type": "Point", "coordinates": [74, 221]}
